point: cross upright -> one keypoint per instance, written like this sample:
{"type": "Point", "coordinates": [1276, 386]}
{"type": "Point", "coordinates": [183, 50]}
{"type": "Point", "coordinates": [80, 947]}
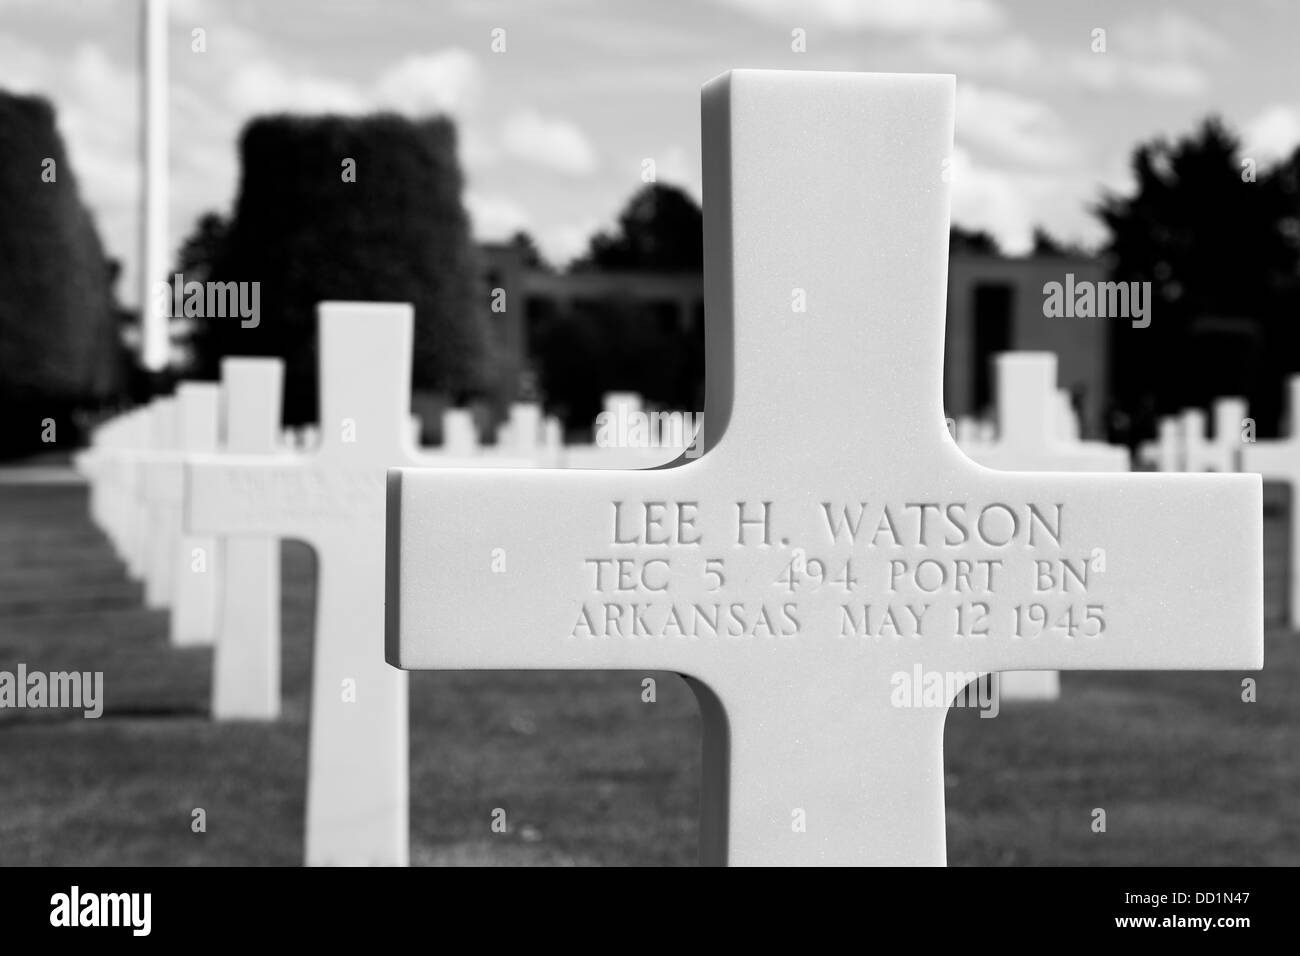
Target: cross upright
{"type": "Point", "coordinates": [196, 589]}
{"type": "Point", "coordinates": [152, 465]}
{"type": "Point", "coordinates": [333, 499]}
{"type": "Point", "coordinates": [1029, 411]}
{"type": "Point", "coordinates": [826, 450]}
{"type": "Point", "coordinates": [127, 510]}
{"type": "Point", "coordinates": [1067, 422]}
{"type": "Point", "coordinates": [246, 661]}
{"type": "Point", "coordinates": [1165, 452]}
{"type": "Point", "coordinates": [1223, 453]}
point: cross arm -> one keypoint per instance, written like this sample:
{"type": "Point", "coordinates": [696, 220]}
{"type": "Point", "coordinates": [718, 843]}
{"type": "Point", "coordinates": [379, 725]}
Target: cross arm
{"type": "Point", "coordinates": [1275, 460]}
{"type": "Point", "coordinates": [1158, 572]}
{"type": "Point", "coordinates": [284, 495]}
{"type": "Point", "coordinates": [506, 569]}
{"type": "Point", "coordinates": [683, 569]}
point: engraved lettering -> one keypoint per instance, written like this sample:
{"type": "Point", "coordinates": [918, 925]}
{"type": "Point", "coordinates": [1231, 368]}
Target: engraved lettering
{"type": "Point", "coordinates": [1053, 530]}
{"type": "Point", "coordinates": [982, 528]}
{"type": "Point", "coordinates": [852, 525]}
{"type": "Point", "coordinates": [742, 522]}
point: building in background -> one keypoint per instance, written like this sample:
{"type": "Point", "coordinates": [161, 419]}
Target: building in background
{"type": "Point", "coordinates": [995, 304]}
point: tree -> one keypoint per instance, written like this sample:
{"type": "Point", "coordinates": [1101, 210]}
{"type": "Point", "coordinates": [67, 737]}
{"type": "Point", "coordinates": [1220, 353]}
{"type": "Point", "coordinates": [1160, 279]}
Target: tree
{"type": "Point", "coordinates": [617, 345]}
{"type": "Point", "coordinates": [200, 250]}
{"type": "Point", "coordinates": [529, 255]}
{"type": "Point", "coordinates": [203, 247]}
{"type": "Point", "coordinates": [661, 229]}
{"type": "Point", "coordinates": [1045, 244]}
{"type": "Point", "coordinates": [59, 345]}
{"type": "Point", "coordinates": [623, 343]}
{"type": "Point", "coordinates": [364, 208]}
{"type": "Point", "coordinates": [972, 241]}
{"type": "Point", "coordinates": [1222, 272]}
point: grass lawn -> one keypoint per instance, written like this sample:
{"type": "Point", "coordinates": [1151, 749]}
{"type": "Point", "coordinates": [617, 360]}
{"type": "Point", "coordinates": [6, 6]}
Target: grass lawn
{"type": "Point", "coordinates": [587, 773]}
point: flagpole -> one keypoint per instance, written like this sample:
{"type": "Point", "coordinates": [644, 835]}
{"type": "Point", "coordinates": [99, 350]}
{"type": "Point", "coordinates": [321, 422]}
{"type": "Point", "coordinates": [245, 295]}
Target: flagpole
{"type": "Point", "coordinates": [154, 340]}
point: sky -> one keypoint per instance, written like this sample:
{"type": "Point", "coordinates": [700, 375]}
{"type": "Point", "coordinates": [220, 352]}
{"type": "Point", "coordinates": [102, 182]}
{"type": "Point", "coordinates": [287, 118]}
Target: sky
{"type": "Point", "coordinates": [555, 127]}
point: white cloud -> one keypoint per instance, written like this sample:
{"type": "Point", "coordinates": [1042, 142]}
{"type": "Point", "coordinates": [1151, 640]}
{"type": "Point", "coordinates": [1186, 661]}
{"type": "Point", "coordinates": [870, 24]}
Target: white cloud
{"type": "Point", "coordinates": [1162, 54]}
{"type": "Point", "coordinates": [448, 81]}
{"type": "Point", "coordinates": [565, 242]}
{"type": "Point", "coordinates": [96, 102]}
{"type": "Point", "coordinates": [1107, 73]}
{"type": "Point", "coordinates": [993, 200]}
{"type": "Point", "coordinates": [1170, 34]}
{"type": "Point", "coordinates": [266, 87]}
{"type": "Point", "coordinates": [94, 11]}
{"type": "Point", "coordinates": [674, 167]}
{"type": "Point", "coordinates": [1015, 127]}
{"type": "Point", "coordinates": [894, 16]}
{"type": "Point", "coordinates": [97, 98]}
{"type": "Point", "coordinates": [22, 69]}
{"type": "Point", "coordinates": [1009, 204]}
{"type": "Point", "coordinates": [495, 217]}
{"type": "Point", "coordinates": [97, 117]}
{"type": "Point", "coordinates": [188, 9]}
{"type": "Point", "coordinates": [551, 142]}
{"type": "Point", "coordinates": [1010, 56]}
{"type": "Point", "coordinates": [1273, 134]}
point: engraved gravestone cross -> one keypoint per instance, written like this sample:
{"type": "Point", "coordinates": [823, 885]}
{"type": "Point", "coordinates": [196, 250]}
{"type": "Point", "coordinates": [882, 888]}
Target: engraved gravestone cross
{"type": "Point", "coordinates": [824, 433]}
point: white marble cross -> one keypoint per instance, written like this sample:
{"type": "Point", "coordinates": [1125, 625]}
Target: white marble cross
{"type": "Point", "coordinates": [1279, 460]}
{"type": "Point", "coordinates": [131, 510]}
{"type": "Point", "coordinates": [333, 499]}
{"type": "Point", "coordinates": [1165, 452]}
{"type": "Point", "coordinates": [1031, 413]}
{"type": "Point", "coordinates": [627, 438]}
{"type": "Point", "coordinates": [109, 465]}
{"type": "Point", "coordinates": [832, 541]}
{"type": "Point", "coordinates": [1223, 451]}
{"type": "Point", "coordinates": [459, 434]}
{"type": "Point", "coordinates": [94, 463]}
{"type": "Point", "coordinates": [357, 796]}
{"type": "Point", "coordinates": [197, 578]}
{"type": "Point", "coordinates": [1195, 442]}
{"type": "Point", "coordinates": [1067, 419]}
{"type": "Point", "coordinates": [153, 466]}
{"type": "Point", "coordinates": [970, 434]}
{"type": "Point", "coordinates": [246, 662]}
{"type": "Point", "coordinates": [1030, 428]}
